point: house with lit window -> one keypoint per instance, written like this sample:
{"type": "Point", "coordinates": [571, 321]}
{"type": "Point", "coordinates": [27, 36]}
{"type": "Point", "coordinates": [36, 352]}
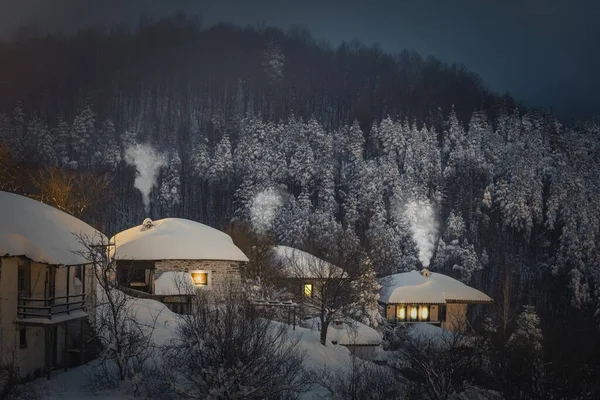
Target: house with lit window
{"type": "Point", "coordinates": [46, 285]}
{"type": "Point", "coordinates": [301, 273]}
{"type": "Point", "coordinates": [170, 258]}
{"type": "Point", "coordinates": [428, 297]}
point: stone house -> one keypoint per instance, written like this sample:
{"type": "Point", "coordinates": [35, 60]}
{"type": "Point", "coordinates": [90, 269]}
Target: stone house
{"type": "Point", "coordinates": [169, 259]}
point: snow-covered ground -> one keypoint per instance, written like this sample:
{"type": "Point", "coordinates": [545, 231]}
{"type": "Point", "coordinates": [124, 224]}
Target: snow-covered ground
{"type": "Point", "coordinates": [73, 384]}
{"type": "Point", "coordinates": [347, 333]}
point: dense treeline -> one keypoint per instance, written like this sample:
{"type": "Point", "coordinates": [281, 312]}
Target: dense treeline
{"type": "Point", "coordinates": [331, 139]}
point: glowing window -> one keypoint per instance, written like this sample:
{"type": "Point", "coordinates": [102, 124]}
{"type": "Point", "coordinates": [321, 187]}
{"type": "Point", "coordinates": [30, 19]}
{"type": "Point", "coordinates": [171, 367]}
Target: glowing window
{"type": "Point", "coordinates": [424, 313]}
{"type": "Point", "coordinates": [308, 290]}
{"type": "Point", "coordinates": [414, 312]}
{"type": "Point", "coordinates": [401, 313]}
{"type": "Point", "coordinates": [200, 278]}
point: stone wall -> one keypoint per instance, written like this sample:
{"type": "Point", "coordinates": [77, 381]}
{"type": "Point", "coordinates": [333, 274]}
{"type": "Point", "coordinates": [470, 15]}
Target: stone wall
{"type": "Point", "coordinates": [220, 272]}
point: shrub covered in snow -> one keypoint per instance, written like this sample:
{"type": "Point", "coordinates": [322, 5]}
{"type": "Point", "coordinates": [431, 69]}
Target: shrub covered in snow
{"type": "Point", "coordinates": [224, 350]}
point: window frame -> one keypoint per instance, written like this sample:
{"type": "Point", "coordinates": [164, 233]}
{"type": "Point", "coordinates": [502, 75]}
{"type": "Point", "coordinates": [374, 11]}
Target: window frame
{"type": "Point", "coordinates": [309, 293]}
{"type": "Point", "coordinates": [408, 312]}
{"type": "Point", "coordinates": [208, 279]}
{"type": "Point", "coordinates": [23, 337]}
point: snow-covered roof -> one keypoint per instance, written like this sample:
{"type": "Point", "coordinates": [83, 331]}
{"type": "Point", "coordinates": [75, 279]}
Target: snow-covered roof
{"type": "Point", "coordinates": [348, 333]}
{"type": "Point", "coordinates": [173, 282]}
{"type": "Point", "coordinates": [175, 239]}
{"type": "Point", "coordinates": [296, 263]}
{"type": "Point", "coordinates": [414, 287]}
{"type": "Point", "coordinates": [42, 233]}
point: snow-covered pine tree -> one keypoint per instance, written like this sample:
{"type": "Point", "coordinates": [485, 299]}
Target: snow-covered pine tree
{"type": "Point", "coordinates": [170, 187]}
{"type": "Point", "coordinates": [82, 131]}
{"type": "Point", "coordinates": [107, 155]}
{"type": "Point", "coordinates": [221, 167]}
{"type": "Point", "coordinates": [41, 142]}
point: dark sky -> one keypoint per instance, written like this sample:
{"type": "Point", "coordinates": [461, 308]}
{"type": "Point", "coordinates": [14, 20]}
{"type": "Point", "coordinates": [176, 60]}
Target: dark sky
{"type": "Point", "coordinates": [545, 52]}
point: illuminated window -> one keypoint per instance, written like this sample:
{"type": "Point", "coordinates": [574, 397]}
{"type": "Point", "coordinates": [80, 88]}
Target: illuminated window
{"type": "Point", "coordinates": [308, 290]}
{"type": "Point", "coordinates": [401, 313]}
{"type": "Point", "coordinates": [414, 313]}
{"type": "Point", "coordinates": [200, 278]}
{"type": "Point", "coordinates": [424, 313]}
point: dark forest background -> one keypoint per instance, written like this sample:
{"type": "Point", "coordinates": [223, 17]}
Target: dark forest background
{"type": "Point", "coordinates": [346, 136]}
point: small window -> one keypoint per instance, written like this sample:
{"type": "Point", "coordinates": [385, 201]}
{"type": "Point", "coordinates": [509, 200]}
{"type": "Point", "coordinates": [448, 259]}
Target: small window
{"type": "Point", "coordinates": [424, 313]}
{"type": "Point", "coordinates": [200, 278]}
{"type": "Point", "coordinates": [138, 275]}
{"type": "Point", "coordinates": [23, 338]}
{"type": "Point", "coordinates": [414, 313]}
{"type": "Point", "coordinates": [23, 280]}
{"type": "Point", "coordinates": [308, 289]}
{"type": "Point", "coordinates": [401, 313]}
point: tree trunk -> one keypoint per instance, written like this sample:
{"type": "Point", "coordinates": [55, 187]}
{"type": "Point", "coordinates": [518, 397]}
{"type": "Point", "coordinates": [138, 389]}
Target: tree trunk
{"type": "Point", "coordinates": [323, 336]}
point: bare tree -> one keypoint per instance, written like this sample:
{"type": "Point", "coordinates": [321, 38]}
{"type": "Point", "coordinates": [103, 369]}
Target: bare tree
{"type": "Point", "coordinates": [126, 343]}
{"type": "Point", "coordinates": [224, 350]}
{"type": "Point", "coordinates": [337, 290]}
{"type": "Point", "coordinates": [436, 365]}
{"type": "Point", "coordinates": [362, 380]}
{"type": "Point", "coordinates": [13, 386]}
{"type": "Point", "coordinates": [79, 193]}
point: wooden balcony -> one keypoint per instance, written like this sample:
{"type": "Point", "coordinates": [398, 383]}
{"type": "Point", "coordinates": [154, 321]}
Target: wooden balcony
{"type": "Point", "coordinates": [52, 309]}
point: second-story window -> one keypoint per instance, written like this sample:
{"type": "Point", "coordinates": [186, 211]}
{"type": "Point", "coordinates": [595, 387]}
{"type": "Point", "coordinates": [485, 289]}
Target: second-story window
{"type": "Point", "coordinates": [23, 279]}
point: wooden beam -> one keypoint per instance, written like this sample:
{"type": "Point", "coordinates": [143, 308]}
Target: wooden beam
{"type": "Point", "coordinates": [47, 352]}
{"type": "Point", "coordinates": [65, 361]}
{"type": "Point", "coordinates": [68, 281]}
{"type": "Point", "coordinates": [81, 344]}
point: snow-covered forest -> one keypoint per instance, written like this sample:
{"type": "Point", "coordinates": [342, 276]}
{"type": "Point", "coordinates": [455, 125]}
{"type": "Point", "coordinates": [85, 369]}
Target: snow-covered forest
{"type": "Point", "coordinates": [303, 140]}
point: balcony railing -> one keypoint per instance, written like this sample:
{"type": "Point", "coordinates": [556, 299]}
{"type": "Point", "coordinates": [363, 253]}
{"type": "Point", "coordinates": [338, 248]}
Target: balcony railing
{"type": "Point", "coordinates": [51, 307]}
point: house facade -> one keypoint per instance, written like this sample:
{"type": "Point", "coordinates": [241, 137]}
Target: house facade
{"type": "Point", "coordinates": [428, 297]}
{"type": "Point", "coordinates": [303, 275]}
{"type": "Point", "coordinates": [46, 285]}
{"type": "Point", "coordinates": [178, 254]}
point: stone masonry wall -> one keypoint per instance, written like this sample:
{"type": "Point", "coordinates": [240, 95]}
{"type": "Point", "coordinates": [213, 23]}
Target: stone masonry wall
{"type": "Point", "coordinates": [220, 271]}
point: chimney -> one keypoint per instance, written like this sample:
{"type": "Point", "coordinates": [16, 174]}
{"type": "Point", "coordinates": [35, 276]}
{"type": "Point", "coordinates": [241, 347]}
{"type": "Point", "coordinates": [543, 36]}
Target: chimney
{"type": "Point", "coordinates": [147, 224]}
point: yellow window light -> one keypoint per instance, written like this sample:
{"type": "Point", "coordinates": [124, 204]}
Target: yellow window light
{"type": "Point", "coordinates": [200, 278]}
{"type": "Point", "coordinates": [401, 313]}
{"type": "Point", "coordinates": [308, 290]}
{"type": "Point", "coordinates": [424, 312]}
{"type": "Point", "coordinates": [413, 312]}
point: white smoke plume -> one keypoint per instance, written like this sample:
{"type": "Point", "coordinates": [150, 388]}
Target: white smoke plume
{"type": "Point", "coordinates": [263, 209]}
{"type": "Point", "coordinates": [147, 162]}
{"type": "Point", "coordinates": [423, 226]}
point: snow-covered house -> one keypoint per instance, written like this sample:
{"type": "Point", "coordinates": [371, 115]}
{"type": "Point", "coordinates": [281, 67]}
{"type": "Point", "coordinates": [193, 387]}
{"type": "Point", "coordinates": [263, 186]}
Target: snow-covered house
{"type": "Point", "coordinates": [171, 257]}
{"type": "Point", "coordinates": [46, 282]}
{"type": "Point", "coordinates": [301, 272]}
{"type": "Point", "coordinates": [428, 297]}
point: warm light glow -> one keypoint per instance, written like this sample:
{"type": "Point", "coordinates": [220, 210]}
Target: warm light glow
{"type": "Point", "coordinates": [401, 313]}
{"type": "Point", "coordinates": [424, 312]}
{"type": "Point", "coordinates": [200, 278]}
{"type": "Point", "coordinates": [413, 312]}
{"type": "Point", "coordinates": [308, 290]}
